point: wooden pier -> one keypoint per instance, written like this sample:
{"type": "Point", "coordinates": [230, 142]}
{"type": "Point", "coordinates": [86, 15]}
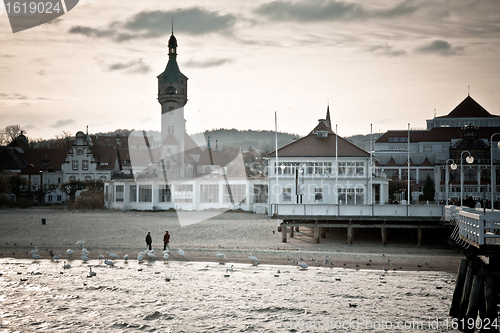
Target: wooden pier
{"type": "Point", "coordinates": [324, 217]}
{"type": "Point", "coordinates": [475, 299]}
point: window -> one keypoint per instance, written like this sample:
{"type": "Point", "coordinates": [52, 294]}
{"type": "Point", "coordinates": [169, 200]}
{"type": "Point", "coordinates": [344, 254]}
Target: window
{"type": "Point", "coordinates": [133, 193]}
{"type": "Point", "coordinates": [59, 198]}
{"type": "Point", "coordinates": [103, 178]}
{"type": "Point", "coordinates": [238, 193]}
{"type": "Point", "coordinates": [403, 139]}
{"type": "Point", "coordinates": [168, 165]}
{"type": "Point", "coordinates": [35, 198]}
{"type": "Point", "coordinates": [427, 149]}
{"type": "Point", "coordinates": [72, 178]}
{"type": "Point", "coordinates": [79, 152]}
{"type": "Point", "coordinates": [49, 198]}
{"type": "Point", "coordinates": [75, 164]}
{"type": "Point", "coordinates": [87, 178]}
{"type": "Point", "coordinates": [318, 195]}
{"type": "Point", "coordinates": [209, 193]}
{"type": "Point", "coordinates": [351, 196]}
{"type": "Point", "coordinates": [287, 194]}
{"type": "Point", "coordinates": [85, 164]}
{"type": "Point", "coordinates": [145, 193]}
{"type": "Point", "coordinates": [164, 194]}
{"type": "Point", "coordinates": [59, 180]}
{"type": "Point", "coordinates": [260, 193]}
{"type": "Point", "coordinates": [183, 193]}
{"type": "Point", "coordinates": [119, 192]}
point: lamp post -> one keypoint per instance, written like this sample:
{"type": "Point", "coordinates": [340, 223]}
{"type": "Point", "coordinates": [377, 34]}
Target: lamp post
{"type": "Point", "coordinates": [491, 170]}
{"type": "Point", "coordinates": [469, 159]}
{"type": "Point", "coordinates": [453, 166]}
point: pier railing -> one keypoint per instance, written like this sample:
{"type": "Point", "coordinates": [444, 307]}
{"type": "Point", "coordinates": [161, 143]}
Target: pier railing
{"type": "Point", "coordinates": [477, 228]}
{"type": "Point", "coordinates": [311, 210]}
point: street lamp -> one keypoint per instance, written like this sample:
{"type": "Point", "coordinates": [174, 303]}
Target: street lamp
{"type": "Point", "coordinates": [491, 173]}
{"type": "Point", "coordinates": [469, 159]}
{"type": "Point", "coordinates": [453, 166]}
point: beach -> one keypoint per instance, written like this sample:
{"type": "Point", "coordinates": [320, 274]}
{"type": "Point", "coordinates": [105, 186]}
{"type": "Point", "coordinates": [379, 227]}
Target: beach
{"type": "Point", "coordinates": [199, 292]}
{"type": "Point", "coordinates": [236, 234]}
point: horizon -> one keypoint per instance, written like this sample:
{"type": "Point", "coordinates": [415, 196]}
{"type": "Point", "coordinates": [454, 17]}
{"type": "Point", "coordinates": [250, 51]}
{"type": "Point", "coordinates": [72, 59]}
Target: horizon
{"type": "Point", "coordinates": [385, 63]}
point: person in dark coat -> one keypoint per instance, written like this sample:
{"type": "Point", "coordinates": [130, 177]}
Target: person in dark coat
{"type": "Point", "coordinates": [166, 240]}
{"type": "Point", "coordinates": [149, 241]}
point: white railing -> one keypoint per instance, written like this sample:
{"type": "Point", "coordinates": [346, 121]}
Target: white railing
{"type": "Point", "coordinates": [481, 229]}
{"type": "Point", "coordinates": [301, 210]}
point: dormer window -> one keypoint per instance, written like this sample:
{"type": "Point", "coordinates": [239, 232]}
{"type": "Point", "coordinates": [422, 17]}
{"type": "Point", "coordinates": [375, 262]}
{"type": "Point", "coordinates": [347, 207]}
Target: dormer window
{"type": "Point", "coordinates": [321, 134]}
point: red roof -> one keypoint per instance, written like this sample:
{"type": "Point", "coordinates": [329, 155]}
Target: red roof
{"type": "Point", "coordinates": [468, 108]}
{"type": "Point", "coordinates": [312, 146]}
{"type": "Point", "coordinates": [44, 159]}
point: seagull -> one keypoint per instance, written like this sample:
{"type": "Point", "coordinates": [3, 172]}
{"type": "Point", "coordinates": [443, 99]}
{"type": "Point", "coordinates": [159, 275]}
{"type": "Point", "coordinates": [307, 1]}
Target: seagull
{"type": "Point", "coordinates": [165, 256]}
{"type": "Point", "coordinates": [166, 251]}
{"type": "Point", "coordinates": [151, 255]}
{"type": "Point", "coordinates": [114, 255]}
{"type": "Point", "coordinates": [357, 265]}
{"type": "Point", "coordinates": [91, 273]}
{"type": "Point", "coordinates": [101, 257]}
{"type": "Point", "coordinates": [303, 265]}
{"type": "Point", "coordinates": [35, 256]}
{"type": "Point", "coordinates": [84, 250]}
{"type": "Point", "coordinates": [385, 269]}
{"type": "Point", "coordinates": [80, 242]}
{"type": "Point", "coordinates": [352, 305]}
{"type": "Point", "coordinates": [221, 256]}
{"type": "Point", "coordinates": [369, 260]}
{"type": "Point", "coordinates": [109, 262]}
{"type": "Point", "coordinates": [125, 257]}
{"type": "Point", "coordinates": [383, 255]}
{"type": "Point", "coordinates": [337, 279]}
{"type": "Point", "coordinates": [140, 256]}
{"type": "Point", "coordinates": [230, 269]}
{"type": "Point", "coordinates": [388, 260]}
{"type": "Point", "coordinates": [66, 266]}
{"type": "Point", "coordinates": [84, 257]}
{"type": "Point", "coordinates": [181, 253]}
{"type": "Point", "coordinates": [56, 257]}
{"type": "Point", "coordinates": [34, 251]}
{"type": "Point", "coordinates": [253, 258]}
{"type": "Point", "coordinates": [69, 252]}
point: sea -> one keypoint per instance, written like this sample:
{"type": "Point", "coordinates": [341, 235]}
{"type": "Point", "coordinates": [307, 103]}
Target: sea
{"type": "Point", "coordinates": [186, 296]}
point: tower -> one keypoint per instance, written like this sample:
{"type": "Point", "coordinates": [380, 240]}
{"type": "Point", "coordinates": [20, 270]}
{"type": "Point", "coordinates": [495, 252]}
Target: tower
{"type": "Point", "coordinates": [172, 95]}
{"type": "Point", "coordinates": [328, 120]}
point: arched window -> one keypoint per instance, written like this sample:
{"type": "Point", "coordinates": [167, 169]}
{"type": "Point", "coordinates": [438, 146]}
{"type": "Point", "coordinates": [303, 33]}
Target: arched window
{"type": "Point", "coordinates": [485, 176]}
{"type": "Point", "coordinates": [454, 175]}
{"type": "Point", "coordinates": [470, 175]}
{"type": "Point", "coordinates": [171, 91]}
{"type": "Point", "coordinates": [72, 178]}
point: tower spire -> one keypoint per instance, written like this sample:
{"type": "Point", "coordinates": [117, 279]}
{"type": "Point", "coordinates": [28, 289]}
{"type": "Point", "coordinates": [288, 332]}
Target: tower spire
{"type": "Point", "coordinates": [172, 26]}
{"type": "Point", "coordinates": [328, 120]}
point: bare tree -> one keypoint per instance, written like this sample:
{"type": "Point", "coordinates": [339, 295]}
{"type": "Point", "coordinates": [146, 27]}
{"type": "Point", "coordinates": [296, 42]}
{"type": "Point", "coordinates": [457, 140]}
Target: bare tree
{"type": "Point", "coordinates": [12, 132]}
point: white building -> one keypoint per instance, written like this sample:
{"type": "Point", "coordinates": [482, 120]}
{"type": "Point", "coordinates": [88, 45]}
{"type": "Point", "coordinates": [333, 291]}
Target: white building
{"type": "Point", "coordinates": [324, 168]}
{"type": "Point", "coordinates": [444, 141]}
{"type": "Point", "coordinates": [179, 174]}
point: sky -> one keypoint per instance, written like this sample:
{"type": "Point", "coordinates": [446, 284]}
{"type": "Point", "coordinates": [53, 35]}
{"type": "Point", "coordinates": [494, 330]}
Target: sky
{"type": "Point", "coordinates": [386, 63]}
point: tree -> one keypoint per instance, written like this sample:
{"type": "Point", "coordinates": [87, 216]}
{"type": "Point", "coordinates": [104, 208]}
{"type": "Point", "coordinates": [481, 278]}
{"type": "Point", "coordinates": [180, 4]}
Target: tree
{"type": "Point", "coordinates": [18, 185]}
{"type": "Point", "coordinates": [428, 189]}
{"type": "Point", "coordinates": [9, 133]}
{"type": "Point", "coordinates": [71, 187]}
{"type": "Point", "coordinates": [47, 189]}
{"type": "Point", "coordinates": [397, 186]}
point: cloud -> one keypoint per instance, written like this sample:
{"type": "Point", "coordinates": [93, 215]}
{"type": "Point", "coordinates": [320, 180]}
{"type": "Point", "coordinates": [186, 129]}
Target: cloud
{"type": "Point", "coordinates": [157, 23]}
{"type": "Point", "coordinates": [63, 122]}
{"type": "Point", "coordinates": [328, 10]}
{"type": "Point", "coordinates": [23, 97]}
{"type": "Point", "coordinates": [385, 50]}
{"type": "Point", "coordinates": [136, 66]}
{"type": "Point", "coordinates": [440, 47]}
{"type": "Point", "coordinates": [207, 63]}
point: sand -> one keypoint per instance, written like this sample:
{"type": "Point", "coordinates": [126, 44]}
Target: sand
{"type": "Point", "coordinates": [235, 234]}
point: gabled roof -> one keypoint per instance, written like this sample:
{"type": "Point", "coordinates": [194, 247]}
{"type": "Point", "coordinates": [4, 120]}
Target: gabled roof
{"type": "Point", "coordinates": [190, 145]}
{"type": "Point", "coordinates": [11, 159]}
{"type": "Point", "coordinates": [312, 146]}
{"type": "Point", "coordinates": [170, 140]}
{"type": "Point", "coordinates": [44, 159]}
{"type": "Point", "coordinates": [468, 108]}
{"type": "Point", "coordinates": [105, 157]}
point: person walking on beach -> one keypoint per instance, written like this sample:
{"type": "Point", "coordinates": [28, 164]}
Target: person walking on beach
{"type": "Point", "coordinates": [166, 240]}
{"type": "Point", "coordinates": [149, 241]}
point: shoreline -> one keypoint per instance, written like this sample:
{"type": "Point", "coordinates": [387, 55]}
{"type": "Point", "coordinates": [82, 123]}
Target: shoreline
{"type": "Point", "coordinates": [238, 235]}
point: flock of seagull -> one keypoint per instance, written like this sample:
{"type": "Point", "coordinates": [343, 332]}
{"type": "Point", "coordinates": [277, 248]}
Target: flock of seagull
{"type": "Point", "coordinates": [149, 254]}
